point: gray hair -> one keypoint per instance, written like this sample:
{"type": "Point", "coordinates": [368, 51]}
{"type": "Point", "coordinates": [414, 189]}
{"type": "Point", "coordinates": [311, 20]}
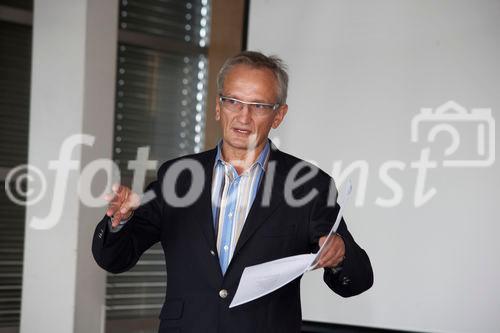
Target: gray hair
{"type": "Point", "coordinates": [258, 60]}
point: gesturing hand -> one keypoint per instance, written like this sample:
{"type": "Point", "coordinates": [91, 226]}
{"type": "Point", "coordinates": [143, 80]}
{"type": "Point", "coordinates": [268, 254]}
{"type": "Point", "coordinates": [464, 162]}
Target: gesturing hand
{"type": "Point", "coordinates": [333, 253]}
{"type": "Point", "coordinates": [121, 203]}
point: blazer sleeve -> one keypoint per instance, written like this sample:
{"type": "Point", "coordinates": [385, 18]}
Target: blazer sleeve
{"type": "Point", "coordinates": [356, 275]}
{"type": "Point", "coordinates": [119, 251]}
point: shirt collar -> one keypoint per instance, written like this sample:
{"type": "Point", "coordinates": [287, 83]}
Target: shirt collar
{"type": "Point", "coordinates": [261, 160]}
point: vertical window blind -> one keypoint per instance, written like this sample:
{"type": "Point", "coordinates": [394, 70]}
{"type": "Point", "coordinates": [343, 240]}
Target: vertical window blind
{"type": "Point", "coordinates": [161, 92]}
{"type": "Point", "coordinates": [15, 67]}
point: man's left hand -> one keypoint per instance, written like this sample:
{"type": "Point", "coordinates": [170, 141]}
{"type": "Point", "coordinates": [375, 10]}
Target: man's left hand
{"type": "Point", "coordinates": [333, 253]}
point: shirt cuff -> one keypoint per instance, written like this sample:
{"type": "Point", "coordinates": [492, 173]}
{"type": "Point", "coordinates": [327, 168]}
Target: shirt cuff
{"type": "Point", "coordinates": [335, 270]}
{"type": "Point", "coordinates": [119, 226]}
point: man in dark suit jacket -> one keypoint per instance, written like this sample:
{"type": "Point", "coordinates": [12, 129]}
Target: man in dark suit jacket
{"type": "Point", "coordinates": [288, 207]}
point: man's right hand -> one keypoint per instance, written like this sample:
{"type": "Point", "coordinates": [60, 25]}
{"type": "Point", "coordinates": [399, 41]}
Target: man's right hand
{"type": "Point", "coordinates": [121, 203]}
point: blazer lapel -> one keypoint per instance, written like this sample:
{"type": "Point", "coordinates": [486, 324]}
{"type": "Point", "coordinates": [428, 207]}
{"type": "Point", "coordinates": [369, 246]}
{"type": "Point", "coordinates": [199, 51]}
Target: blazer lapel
{"type": "Point", "coordinates": [204, 203]}
{"type": "Point", "coordinates": [269, 196]}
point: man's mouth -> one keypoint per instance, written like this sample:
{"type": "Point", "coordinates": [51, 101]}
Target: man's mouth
{"type": "Point", "coordinates": [242, 131]}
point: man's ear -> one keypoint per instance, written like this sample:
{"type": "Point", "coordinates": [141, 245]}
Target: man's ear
{"type": "Point", "coordinates": [217, 109]}
{"type": "Point", "coordinates": [280, 115]}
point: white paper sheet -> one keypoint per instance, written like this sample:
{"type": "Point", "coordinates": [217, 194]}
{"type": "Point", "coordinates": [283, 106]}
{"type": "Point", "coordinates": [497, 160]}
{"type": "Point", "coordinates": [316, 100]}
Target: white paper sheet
{"type": "Point", "coordinates": [259, 280]}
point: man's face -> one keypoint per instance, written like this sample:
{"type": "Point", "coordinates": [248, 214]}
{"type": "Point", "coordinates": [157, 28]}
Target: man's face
{"type": "Point", "coordinates": [243, 130]}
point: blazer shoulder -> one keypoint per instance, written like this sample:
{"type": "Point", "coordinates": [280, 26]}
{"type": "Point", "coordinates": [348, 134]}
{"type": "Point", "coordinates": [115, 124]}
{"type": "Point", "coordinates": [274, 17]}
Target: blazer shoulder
{"type": "Point", "coordinates": [301, 167]}
{"type": "Point", "coordinates": [203, 158]}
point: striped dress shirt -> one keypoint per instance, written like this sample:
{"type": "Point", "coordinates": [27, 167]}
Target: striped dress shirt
{"type": "Point", "coordinates": [232, 197]}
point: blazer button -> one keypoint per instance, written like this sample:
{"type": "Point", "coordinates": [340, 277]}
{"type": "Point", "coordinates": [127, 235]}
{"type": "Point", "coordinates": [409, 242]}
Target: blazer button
{"type": "Point", "coordinates": [212, 253]}
{"type": "Point", "coordinates": [223, 293]}
{"type": "Point", "coordinates": [346, 281]}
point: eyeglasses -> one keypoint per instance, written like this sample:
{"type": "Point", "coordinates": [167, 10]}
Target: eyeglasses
{"type": "Point", "coordinates": [236, 105]}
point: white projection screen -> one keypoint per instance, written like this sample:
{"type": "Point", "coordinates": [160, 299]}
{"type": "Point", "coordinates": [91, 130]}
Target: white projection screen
{"type": "Point", "coordinates": [401, 97]}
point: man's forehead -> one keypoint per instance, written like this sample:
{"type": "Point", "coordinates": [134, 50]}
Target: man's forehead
{"type": "Point", "coordinates": [243, 81]}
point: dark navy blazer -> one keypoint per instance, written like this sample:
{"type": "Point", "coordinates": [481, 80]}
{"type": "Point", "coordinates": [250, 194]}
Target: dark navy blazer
{"type": "Point", "coordinates": [198, 294]}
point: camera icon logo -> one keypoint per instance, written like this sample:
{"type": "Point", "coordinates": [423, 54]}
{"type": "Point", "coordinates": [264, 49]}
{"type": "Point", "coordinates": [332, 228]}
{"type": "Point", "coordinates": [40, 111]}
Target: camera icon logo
{"type": "Point", "coordinates": [445, 119]}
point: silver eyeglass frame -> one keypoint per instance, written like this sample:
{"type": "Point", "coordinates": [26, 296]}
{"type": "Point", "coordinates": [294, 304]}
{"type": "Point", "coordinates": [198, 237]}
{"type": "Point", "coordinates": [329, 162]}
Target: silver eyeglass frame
{"type": "Point", "coordinates": [273, 106]}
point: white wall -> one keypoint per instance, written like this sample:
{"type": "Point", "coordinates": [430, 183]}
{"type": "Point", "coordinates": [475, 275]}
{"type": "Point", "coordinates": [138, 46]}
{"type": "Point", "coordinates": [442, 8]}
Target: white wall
{"type": "Point", "coordinates": [360, 71]}
{"type": "Point", "coordinates": [72, 92]}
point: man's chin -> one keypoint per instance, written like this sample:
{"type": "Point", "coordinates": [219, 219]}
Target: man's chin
{"type": "Point", "coordinates": [241, 144]}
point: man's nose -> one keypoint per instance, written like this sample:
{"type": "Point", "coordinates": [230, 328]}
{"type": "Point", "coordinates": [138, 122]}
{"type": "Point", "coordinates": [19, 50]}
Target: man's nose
{"type": "Point", "coordinates": [245, 114]}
